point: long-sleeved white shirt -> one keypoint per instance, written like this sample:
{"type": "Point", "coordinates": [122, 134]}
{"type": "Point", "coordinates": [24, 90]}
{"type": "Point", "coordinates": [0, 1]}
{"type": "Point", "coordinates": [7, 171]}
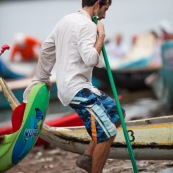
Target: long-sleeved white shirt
{"type": "Point", "coordinates": [71, 45]}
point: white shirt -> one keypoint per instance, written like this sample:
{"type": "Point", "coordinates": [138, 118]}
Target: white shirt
{"type": "Point", "coordinates": [71, 44]}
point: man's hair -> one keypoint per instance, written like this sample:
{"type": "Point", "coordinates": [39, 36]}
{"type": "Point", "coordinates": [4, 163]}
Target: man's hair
{"type": "Point", "coordinates": [90, 3]}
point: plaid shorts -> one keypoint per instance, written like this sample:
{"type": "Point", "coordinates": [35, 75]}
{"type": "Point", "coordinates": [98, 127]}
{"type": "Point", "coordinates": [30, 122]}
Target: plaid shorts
{"type": "Point", "coordinates": [99, 114]}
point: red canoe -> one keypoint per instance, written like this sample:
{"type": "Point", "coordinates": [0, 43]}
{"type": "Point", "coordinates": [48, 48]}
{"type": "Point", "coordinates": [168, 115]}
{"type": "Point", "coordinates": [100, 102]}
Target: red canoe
{"type": "Point", "coordinates": [71, 119]}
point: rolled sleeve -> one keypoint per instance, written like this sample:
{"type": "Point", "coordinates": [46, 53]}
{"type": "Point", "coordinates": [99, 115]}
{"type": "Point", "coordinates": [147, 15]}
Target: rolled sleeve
{"type": "Point", "coordinates": [100, 61]}
{"type": "Point", "coordinates": [46, 61]}
{"type": "Point", "coordinates": [86, 39]}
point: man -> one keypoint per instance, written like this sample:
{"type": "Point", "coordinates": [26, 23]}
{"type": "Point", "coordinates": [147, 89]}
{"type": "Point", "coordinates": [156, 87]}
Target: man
{"type": "Point", "coordinates": [166, 31]}
{"type": "Point", "coordinates": [25, 46]}
{"type": "Point", "coordinates": [76, 43]}
{"type": "Point", "coordinates": [117, 49]}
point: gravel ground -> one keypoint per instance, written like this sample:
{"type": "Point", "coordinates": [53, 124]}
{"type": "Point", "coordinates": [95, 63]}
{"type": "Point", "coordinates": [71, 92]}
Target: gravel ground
{"type": "Point", "coordinates": [55, 160]}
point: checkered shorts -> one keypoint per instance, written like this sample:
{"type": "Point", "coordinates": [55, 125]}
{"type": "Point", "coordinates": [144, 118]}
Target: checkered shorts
{"type": "Point", "coordinates": [99, 114]}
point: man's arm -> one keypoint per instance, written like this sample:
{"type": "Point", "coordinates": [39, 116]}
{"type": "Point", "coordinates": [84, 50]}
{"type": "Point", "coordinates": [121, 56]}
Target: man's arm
{"type": "Point", "coordinates": [89, 45]}
{"type": "Point", "coordinates": [44, 66]}
{"type": "Point", "coordinates": [100, 38]}
{"type": "Point", "coordinates": [46, 60]}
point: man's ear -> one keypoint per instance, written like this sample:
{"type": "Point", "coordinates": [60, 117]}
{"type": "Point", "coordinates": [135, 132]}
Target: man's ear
{"type": "Point", "coordinates": [96, 5]}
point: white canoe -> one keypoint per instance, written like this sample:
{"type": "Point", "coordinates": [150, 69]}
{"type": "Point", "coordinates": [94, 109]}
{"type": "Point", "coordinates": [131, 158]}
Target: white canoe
{"type": "Point", "coordinates": [152, 139]}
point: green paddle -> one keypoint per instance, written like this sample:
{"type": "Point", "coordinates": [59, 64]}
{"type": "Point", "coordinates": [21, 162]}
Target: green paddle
{"type": "Point", "coordinates": [135, 168]}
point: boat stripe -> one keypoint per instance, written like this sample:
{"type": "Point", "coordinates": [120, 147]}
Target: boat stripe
{"type": "Point", "coordinates": [100, 123]}
{"type": "Point", "coordinates": [154, 126]}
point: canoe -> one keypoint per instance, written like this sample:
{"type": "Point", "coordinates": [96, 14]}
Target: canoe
{"type": "Point", "coordinates": [151, 139]}
{"type": "Point", "coordinates": [162, 81]}
{"type": "Point", "coordinates": [139, 55]}
{"type": "Point", "coordinates": [15, 146]}
{"type": "Point", "coordinates": [16, 69]}
{"type": "Point", "coordinates": [131, 79]}
{"type": "Point", "coordinates": [18, 86]}
{"type": "Point", "coordinates": [67, 120]}
{"type": "Point", "coordinates": [7, 73]}
{"type": "Point", "coordinates": [130, 72]}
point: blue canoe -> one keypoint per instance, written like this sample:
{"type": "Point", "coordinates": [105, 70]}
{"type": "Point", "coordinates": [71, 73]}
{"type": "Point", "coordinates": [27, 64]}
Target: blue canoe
{"type": "Point", "coordinates": [6, 73]}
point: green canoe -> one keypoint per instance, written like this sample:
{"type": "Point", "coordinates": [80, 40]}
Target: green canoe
{"type": "Point", "coordinates": [14, 147]}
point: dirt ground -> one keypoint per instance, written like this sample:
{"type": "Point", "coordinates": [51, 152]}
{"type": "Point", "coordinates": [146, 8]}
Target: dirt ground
{"type": "Point", "coordinates": [55, 160]}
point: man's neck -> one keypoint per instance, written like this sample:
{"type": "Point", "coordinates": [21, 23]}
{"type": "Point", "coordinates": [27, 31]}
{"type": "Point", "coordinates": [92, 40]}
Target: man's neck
{"type": "Point", "coordinates": [90, 11]}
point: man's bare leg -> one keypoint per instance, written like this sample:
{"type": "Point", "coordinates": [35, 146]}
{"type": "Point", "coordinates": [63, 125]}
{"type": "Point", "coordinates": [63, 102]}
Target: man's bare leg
{"type": "Point", "coordinates": [86, 158]}
{"type": "Point", "coordinates": [90, 148]}
{"type": "Point", "coordinates": [100, 155]}
{"type": "Point", "coordinates": [92, 144]}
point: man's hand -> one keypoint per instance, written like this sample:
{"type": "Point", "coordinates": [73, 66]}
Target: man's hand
{"type": "Point", "coordinates": [100, 30]}
{"type": "Point", "coordinates": [100, 38]}
{"type": "Point", "coordinates": [49, 85]}
{"type": "Point", "coordinates": [31, 85]}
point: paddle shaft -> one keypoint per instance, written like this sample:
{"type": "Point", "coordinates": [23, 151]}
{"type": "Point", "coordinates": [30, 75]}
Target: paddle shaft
{"type": "Point", "coordinates": [133, 160]}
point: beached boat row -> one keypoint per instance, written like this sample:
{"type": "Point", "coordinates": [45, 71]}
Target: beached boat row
{"type": "Point", "coordinates": [151, 138]}
{"type": "Point", "coordinates": [128, 72]}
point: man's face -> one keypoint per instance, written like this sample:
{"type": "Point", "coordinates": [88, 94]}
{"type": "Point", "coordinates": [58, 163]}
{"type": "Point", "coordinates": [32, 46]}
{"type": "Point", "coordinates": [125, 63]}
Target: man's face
{"type": "Point", "coordinates": [101, 12]}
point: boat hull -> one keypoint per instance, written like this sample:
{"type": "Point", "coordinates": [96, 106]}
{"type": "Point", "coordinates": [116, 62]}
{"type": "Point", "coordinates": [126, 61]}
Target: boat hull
{"type": "Point", "coordinates": [15, 146]}
{"type": "Point", "coordinates": [131, 79]}
{"type": "Point", "coordinates": [150, 140]}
